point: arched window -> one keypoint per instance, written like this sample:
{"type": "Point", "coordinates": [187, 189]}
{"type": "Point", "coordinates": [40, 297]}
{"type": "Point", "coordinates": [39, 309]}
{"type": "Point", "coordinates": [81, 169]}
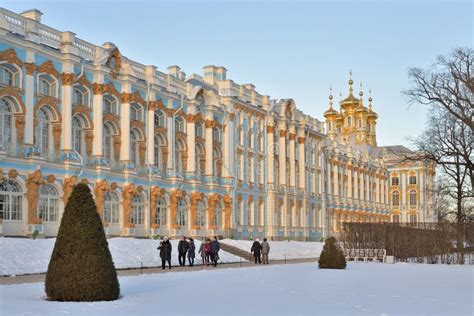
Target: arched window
{"type": "Point", "coordinates": [239, 167]}
{"type": "Point", "coordinates": [78, 135]}
{"type": "Point", "coordinates": [161, 212]}
{"type": "Point", "coordinates": [110, 105]}
{"type": "Point", "coordinates": [138, 210]}
{"type": "Point", "coordinates": [180, 149]}
{"type": "Point", "coordinates": [134, 147]}
{"type": "Point", "coordinates": [360, 123]}
{"type": "Point", "coordinates": [179, 124]}
{"type": "Point", "coordinates": [6, 118]}
{"type": "Point", "coordinates": [10, 200]}
{"type": "Point", "coordinates": [48, 206]}
{"type": "Point", "coordinates": [136, 112]}
{"type": "Point", "coordinates": [111, 208]}
{"type": "Point", "coordinates": [395, 198]}
{"type": "Point", "coordinates": [200, 159]}
{"type": "Point", "coordinates": [159, 118]}
{"type": "Point", "coordinates": [47, 86]}
{"type": "Point", "coordinates": [413, 198]}
{"type": "Point", "coordinates": [182, 214]}
{"type": "Point", "coordinates": [217, 216]}
{"type": "Point", "coordinates": [201, 214]}
{"type": "Point", "coordinates": [159, 143]}
{"type": "Point", "coordinates": [43, 132]}
{"type": "Point", "coordinates": [9, 76]}
{"type": "Point", "coordinates": [216, 134]}
{"type": "Point", "coordinates": [109, 142]}
{"type": "Point", "coordinates": [349, 121]}
{"type": "Point", "coordinates": [199, 130]}
{"type": "Point", "coordinates": [80, 96]}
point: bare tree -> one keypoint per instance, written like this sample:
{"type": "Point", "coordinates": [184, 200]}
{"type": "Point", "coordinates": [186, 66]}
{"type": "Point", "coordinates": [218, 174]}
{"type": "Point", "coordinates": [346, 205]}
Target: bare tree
{"type": "Point", "coordinates": [448, 84]}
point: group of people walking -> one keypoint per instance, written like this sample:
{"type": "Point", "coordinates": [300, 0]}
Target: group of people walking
{"type": "Point", "coordinates": [209, 251]}
{"type": "Point", "coordinates": [260, 251]}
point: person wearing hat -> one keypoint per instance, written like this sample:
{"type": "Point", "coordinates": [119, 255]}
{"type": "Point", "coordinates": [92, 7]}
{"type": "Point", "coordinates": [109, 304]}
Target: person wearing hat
{"type": "Point", "coordinates": [165, 252]}
{"type": "Point", "coordinates": [256, 249]}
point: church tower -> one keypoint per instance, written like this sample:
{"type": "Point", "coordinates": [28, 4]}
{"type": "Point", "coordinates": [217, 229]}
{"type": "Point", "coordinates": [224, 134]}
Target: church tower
{"type": "Point", "coordinates": [354, 122]}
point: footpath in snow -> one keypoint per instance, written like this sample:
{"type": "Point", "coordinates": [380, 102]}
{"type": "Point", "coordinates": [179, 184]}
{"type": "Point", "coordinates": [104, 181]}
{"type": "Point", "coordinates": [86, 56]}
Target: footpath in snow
{"type": "Point", "coordinates": [296, 289]}
{"type": "Point", "coordinates": [280, 250]}
{"type": "Point", "coordinates": [27, 256]}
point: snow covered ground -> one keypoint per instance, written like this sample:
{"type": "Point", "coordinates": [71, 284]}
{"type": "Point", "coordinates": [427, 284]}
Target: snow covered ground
{"type": "Point", "coordinates": [281, 249]}
{"type": "Point", "coordinates": [27, 256]}
{"type": "Point", "coordinates": [293, 289]}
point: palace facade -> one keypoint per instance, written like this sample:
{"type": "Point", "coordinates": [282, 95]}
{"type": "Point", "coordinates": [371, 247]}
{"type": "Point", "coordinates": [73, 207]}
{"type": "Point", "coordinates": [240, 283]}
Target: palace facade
{"type": "Point", "coordinates": [171, 154]}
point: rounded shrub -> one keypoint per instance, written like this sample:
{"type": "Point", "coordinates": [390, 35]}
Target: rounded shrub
{"type": "Point", "coordinates": [81, 266]}
{"type": "Point", "coordinates": [332, 257]}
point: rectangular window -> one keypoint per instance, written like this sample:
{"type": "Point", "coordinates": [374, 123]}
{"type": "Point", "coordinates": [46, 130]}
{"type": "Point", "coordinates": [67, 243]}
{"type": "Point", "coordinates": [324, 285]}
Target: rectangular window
{"type": "Point", "coordinates": [413, 219]}
{"type": "Point", "coordinates": [412, 180]}
{"type": "Point", "coordinates": [395, 181]}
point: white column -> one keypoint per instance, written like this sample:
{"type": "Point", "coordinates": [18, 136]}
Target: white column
{"type": "Point", "coordinates": [349, 180]}
{"type": "Point", "coordinates": [282, 153]}
{"type": "Point", "coordinates": [336, 180]}
{"type": "Point", "coordinates": [361, 185]}
{"type": "Point", "coordinates": [98, 104]}
{"type": "Point", "coordinates": [171, 140]}
{"type": "Point", "coordinates": [66, 108]}
{"type": "Point", "coordinates": [191, 139]}
{"type": "Point", "coordinates": [292, 159]}
{"type": "Point", "coordinates": [150, 139]}
{"type": "Point", "coordinates": [208, 145]}
{"type": "Point", "coordinates": [270, 154]}
{"type": "Point", "coordinates": [29, 94]}
{"type": "Point", "coordinates": [227, 143]}
{"type": "Point", "coordinates": [125, 123]}
{"type": "Point", "coordinates": [301, 162]}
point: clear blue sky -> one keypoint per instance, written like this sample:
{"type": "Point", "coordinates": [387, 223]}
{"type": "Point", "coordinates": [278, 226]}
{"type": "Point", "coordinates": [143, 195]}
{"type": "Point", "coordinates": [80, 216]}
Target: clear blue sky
{"type": "Point", "coordinates": [286, 48]}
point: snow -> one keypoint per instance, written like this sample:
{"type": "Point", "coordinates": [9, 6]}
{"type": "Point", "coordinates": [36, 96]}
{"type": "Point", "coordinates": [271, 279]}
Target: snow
{"type": "Point", "coordinates": [280, 250]}
{"type": "Point", "coordinates": [26, 256]}
{"type": "Point", "coordinates": [292, 289]}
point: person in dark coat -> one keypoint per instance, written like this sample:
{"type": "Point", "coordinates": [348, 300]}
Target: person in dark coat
{"type": "Point", "coordinates": [215, 247]}
{"type": "Point", "coordinates": [182, 249]}
{"type": "Point", "coordinates": [191, 252]}
{"type": "Point", "coordinates": [205, 251]}
{"type": "Point", "coordinates": [165, 252]}
{"type": "Point", "coordinates": [256, 249]}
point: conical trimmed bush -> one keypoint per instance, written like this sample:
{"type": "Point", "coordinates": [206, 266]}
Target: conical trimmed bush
{"type": "Point", "coordinates": [331, 257]}
{"type": "Point", "coordinates": [81, 266]}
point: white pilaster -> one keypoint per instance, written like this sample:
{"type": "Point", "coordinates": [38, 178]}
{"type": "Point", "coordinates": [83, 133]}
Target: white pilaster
{"type": "Point", "coordinates": [29, 96]}
{"type": "Point", "coordinates": [301, 161]}
{"type": "Point", "coordinates": [208, 145]}
{"type": "Point", "coordinates": [270, 154]}
{"type": "Point", "coordinates": [125, 125]}
{"type": "Point", "coordinates": [98, 104]}
{"type": "Point", "coordinates": [150, 139]}
{"type": "Point", "coordinates": [282, 152]}
{"type": "Point", "coordinates": [66, 109]}
{"type": "Point", "coordinates": [191, 139]}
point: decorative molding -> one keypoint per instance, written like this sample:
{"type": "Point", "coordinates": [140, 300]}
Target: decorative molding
{"type": "Point", "coordinates": [67, 79]}
{"type": "Point", "coordinates": [270, 129]}
{"type": "Point", "coordinates": [98, 88]}
{"type": "Point", "coordinates": [15, 94]}
{"type": "Point", "coordinates": [155, 193]}
{"type": "Point", "coordinates": [48, 68]}
{"type": "Point", "coordinates": [114, 61]}
{"type": "Point", "coordinates": [82, 80]}
{"type": "Point", "coordinates": [283, 133]}
{"type": "Point", "coordinates": [12, 173]}
{"type": "Point", "coordinates": [30, 68]}
{"type": "Point", "coordinates": [33, 182]}
{"type": "Point", "coordinates": [100, 189]}
{"type": "Point", "coordinates": [9, 55]}
{"type": "Point", "coordinates": [155, 105]}
{"type": "Point", "coordinates": [292, 136]}
{"type": "Point", "coordinates": [129, 191]}
{"type": "Point", "coordinates": [68, 186]}
{"type": "Point", "coordinates": [301, 140]}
